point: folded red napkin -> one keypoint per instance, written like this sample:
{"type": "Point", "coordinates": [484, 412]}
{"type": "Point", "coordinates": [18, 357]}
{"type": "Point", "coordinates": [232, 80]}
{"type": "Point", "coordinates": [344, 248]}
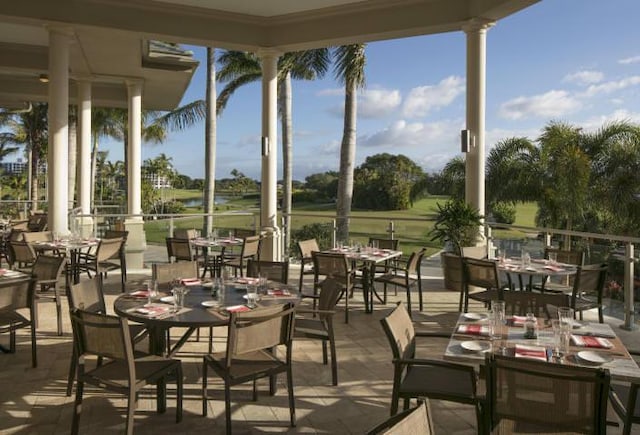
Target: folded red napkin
{"type": "Point", "coordinates": [553, 268]}
{"type": "Point", "coordinates": [140, 294]}
{"type": "Point", "coordinates": [587, 341]}
{"type": "Point", "coordinates": [518, 320]}
{"type": "Point", "coordinates": [531, 352]}
{"type": "Point", "coordinates": [474, 329]}
{"type": "Point", "coordinates": [3, 271]}
{"type": "Point", "coordinates": [278, 292]}
{"type": "Point", "coordinates": [246, 280]}
{"type": "Point", "coordinates": [238, 309]}
{"type": "Point", "coordinates": [153, 310]}
{"type": "Point", "coordinates": [191, 281]}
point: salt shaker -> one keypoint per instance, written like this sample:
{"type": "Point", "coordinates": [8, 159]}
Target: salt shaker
{"type": "Point", "coordinates": [530, 326]}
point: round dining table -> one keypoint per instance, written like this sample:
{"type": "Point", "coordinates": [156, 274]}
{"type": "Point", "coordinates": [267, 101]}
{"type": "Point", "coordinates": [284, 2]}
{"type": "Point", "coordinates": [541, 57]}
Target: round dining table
{"type": "Point", "coordinates": [536, 267]}
{"type": "Point", "coordinates": [201, 309]}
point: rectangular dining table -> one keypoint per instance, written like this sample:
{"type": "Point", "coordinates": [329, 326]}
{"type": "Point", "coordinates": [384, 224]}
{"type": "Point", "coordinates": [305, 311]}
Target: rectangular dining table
{"type": "Point", "coordinates": [471, 347]}
{"type": "Point", "coordinates": [213, 258]}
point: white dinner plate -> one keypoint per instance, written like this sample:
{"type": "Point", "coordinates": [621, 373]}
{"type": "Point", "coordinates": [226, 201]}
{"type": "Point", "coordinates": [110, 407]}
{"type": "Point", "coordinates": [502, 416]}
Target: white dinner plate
{"type": "Point", "coordinates": [594, 357]}
{"type": "Point", "coordinates": [245, 297]}
{"type": "Point", "coordinates": [475, 316]}
{"type": "Point", "coordinates": [475, 346]}
{"type": "Point", "coordinates": [167, 299]}
{"type": "Point", "coordinates": [211, 303]}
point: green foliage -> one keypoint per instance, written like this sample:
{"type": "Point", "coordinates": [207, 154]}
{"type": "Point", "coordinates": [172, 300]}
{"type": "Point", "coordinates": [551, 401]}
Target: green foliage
{"type": "Point", "coordinates": [318, 231]}
{"type": "Point", "coordinates": [304, 196]}
{"type": "Point", "coordinates": [325, 184]}
{"type": "Point", "coordinates": [385, 182]}
{"type": "Point", "coordinates": [457, 223]}
{"type": "Point", "coordinates": [503, 212]}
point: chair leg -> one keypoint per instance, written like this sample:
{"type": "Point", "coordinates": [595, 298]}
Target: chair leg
{"type": "Point", "coordinates": [72, 372]}
{"type": "Point", "coordinates": [77, 406]}
{"type": "Point", "coordinates": [34, 352]}
{"type": "Point", "coordinates": [227, 407]}
{"type": "Point", "coordinates": [420, 293]}
{"type": "Point", "coordinates": [58, 308]}
{"type": "Point", "coordinates": [131, 410]}
{"type": "Point", "coordinates": [325, 360]}
{"type": "Point", "coordinates": [600, 315]}
{"type": "Point", "coordinates": [210, 339]}
{"type": "Point", "coordinates": [292, 402]}
{"type": "Point", "coordinates": [255, 390]}
{"type": "Point", "coordinates": [179, 393]}
{"type": "Point", "coordinates": [346, 306]}
{"type": "Point", "coordinates": [409, 300]}
{"type": "Point", "coordinates": [204, 387]}
{"type": "Point", "coordinates": [334, 360]}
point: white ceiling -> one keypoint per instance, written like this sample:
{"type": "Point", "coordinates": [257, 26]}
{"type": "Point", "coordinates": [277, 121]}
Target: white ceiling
{"type": "Point", "coordinates": [110, 35]}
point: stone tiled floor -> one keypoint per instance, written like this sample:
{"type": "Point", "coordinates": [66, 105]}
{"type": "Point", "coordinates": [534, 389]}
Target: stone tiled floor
{"type": "Point", "coordinates": [33, 401]}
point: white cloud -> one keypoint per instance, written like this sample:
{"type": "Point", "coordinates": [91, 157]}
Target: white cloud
{"type": "Point", "coordinates": [585, 77]}
{"type": "Point", "coordinates": [377, 103]}
{"type": "Point", "coordinates": [423, 99]}
{"type": "Point", "coordinates": [417, 134]}
{"type": "Point", "coordinates": [596, 122]}
{"type": "Point", "coordinates": [332, 92]}
{"type": "Point", "coordinates": [628, 60]}
{"type": "Point", "coordinates": [612, 86]}
{"type": "Point", "coordinates": [548, 105]}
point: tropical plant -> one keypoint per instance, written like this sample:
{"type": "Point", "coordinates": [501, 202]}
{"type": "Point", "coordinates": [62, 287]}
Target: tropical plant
{"type": "Point", "coordinates": [452, 177]}
{"type": "Point", "coordinates": [458, 224]}
{"type": "Point", "coordinates": [349, 70]}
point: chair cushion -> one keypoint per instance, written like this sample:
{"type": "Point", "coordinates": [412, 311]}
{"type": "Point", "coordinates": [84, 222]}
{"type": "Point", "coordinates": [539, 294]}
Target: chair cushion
{"type": "Point", "coordinates": [245, 365]}
{"type": "Point", "coordinates": [437, 383]}
{"type": "Point", "coordinates": [148, 368]}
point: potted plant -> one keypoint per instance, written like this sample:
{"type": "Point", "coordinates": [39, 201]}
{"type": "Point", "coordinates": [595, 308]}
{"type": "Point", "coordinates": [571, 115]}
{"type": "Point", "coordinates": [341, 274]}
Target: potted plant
{"type": "Point", "coordinates": [457, 225]}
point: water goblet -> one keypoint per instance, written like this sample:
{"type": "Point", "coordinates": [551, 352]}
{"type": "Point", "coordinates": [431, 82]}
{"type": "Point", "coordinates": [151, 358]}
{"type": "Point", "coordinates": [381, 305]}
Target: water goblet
{"type": "Point", "coordinates": [252, 296]}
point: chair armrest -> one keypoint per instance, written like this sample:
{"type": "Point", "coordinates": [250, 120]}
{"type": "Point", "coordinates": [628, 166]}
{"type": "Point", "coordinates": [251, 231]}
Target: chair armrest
{"type": "Point", "coordinates": [436, 362]}
{"type": "Point", "coordinates": [433, 334]}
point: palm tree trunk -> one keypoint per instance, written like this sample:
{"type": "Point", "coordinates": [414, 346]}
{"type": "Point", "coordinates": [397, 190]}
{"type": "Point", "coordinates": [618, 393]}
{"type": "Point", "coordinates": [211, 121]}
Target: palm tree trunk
{"type": "Point", "coordinates": [72, 161]}
{"type": "Point", "coordinates": [94, 165]}
{"type": "Point", "coordinates": [287, 154]}
{"type": "Point", "coordinates": [210, 143]}
{"type": "Point", "coordinates": [347, 159]}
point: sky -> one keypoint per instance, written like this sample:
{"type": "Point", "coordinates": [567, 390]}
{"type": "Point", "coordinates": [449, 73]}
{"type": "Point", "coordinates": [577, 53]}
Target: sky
{"type": "Point", "coordinates": [576, 61]}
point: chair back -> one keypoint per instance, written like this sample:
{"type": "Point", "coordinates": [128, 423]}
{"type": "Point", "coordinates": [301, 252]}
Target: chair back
{"type": "Point", "coordinates": [251, 247]}
{"type": "Point", "coordinates": [330, 291]}
{"type": "Point", "coordinates": [589, 283]}
{"type": "Point", "coordinates": [48, 267]}
{"type": "Point", "coordinates": [384, 243]}
{"type": "Point", "coordinates": [37, 222]}
{"type": "Point", "coordinates": [542, 305]}
{"type": "Point", "coordinates": [22, 252]}
{"type": "Point", "coordinates": [398, 327]}
{"type": "Point", "coordinates": [184, 234]}
{"type": "Point", "coordinates": [87, 295]}
{"type": "Point", "coordinates": [260, 329]}
{"type": "Point", "coordinates": [412, 421]}
{"type": "Point", "coordinates": [181, 249]}
{"type": "Point", "coordinates": [243, 233]}
{"type": "Point", "coordinates": [164, 273]}
{"type": "Point", "coordinates": [306, 248]}
{"type": "Point", "coordinates": [37, 236]}
{"type": "Point", "coordinates": [534, 396]}
{"type": "Point", "coordinates": [17, 295]}
{"type": "Point", "coordinates": [568, 257]}
{"type": "Point", "coordinates": [16, 234]}
{"type": "Point", "coordinates": [273, 270]}
{"type": "Point", "coordinates": [112, 234]}
{"type": "Point", "coordinates": [101, 335]}
{"type": "Point", "coordinates": [413, 264]}
{"type": "Point", "coordinates": [331, 265]}
{"type": "Point", "coordinates": [108, 248]}
{"type": "Point", "coordinates": [480, 273]}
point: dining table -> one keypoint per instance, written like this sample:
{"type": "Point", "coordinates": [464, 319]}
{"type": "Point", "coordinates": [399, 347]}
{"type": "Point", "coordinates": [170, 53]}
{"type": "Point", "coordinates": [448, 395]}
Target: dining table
{"type": "Point", "coordinates": [366, 259]}
{"type": "Point", "coordinates": [591, 344]}
{"type": "Point", "coordinates": [545, 269]}
{"type": "Point", "coordinates": [72, 249]}
{"type": "Point", "coordinates": [213, 251]}
{"type": "Point", "coordinates": [201, 308]}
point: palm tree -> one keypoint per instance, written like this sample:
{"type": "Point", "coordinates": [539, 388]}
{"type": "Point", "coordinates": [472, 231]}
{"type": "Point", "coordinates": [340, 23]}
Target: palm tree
{"type": "Point", "coordinates": [239, 68]}
{"type": "Point", "coordinates": [349, 70]}
{"type": "Point", "coordinates": [210, 143]}
{"type": "Point", "coordinates": [29, 128]}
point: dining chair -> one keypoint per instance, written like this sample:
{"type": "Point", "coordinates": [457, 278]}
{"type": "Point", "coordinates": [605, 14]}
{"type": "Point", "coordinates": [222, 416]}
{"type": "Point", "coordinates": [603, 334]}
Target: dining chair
{"type": "Point", "coordinates": [588, 287]}
{"type": "Point", "coordinates": [101, 261]}
{"type": "Point", "coordinates": [416, 377]}
{"type": "Point", "coordinates": [22, 255]}
{"type": "Point", "coordinates": [48, 271]}
{"type": "Point", "coordinates": [165, 273]}
{"type": "Point", "coordinates": [108, 337]}
{"type": "Point", "coordinates": [542, 305]}
{"type": "Point", "coordinates": [624, 401]}
{"type": "Point", "coordinates": [565, 283]}
{"type": "Point", "coordinates": [184, 233]}
{"type": "Point", "coordinates": [37, 236]}
{"type": "Point", "coordinates": [277, 271]}
{"type": "Point", "coordinates": [382, 243]}
{"type": "Point", "coordinates": [405, 274]}
{"type": "Point", "coordinates": [250, 355]}
{"type": "Point", "coordinates": [122, 254]}
{"type": "Point", "coordinates": [320, 326]}
{"type": "Point", "coordinates": [336, 266]}
{"type": "Point", "coordinates": [305, 249]}
{"type": "Point", "coordinates": [88, 295]}
{"type": "Point", "coordinates": [483, 274]}
{"type": "Point", "coordinates": [17, 298]}
{"type": "Point", "coordinates": [250, 250]}
{"type": "Point", "coordinates": [525, 395]}
{"type": "Point", "coordinates": [412, 421]}
{"type": "Point", "coordinates": [37, 222]}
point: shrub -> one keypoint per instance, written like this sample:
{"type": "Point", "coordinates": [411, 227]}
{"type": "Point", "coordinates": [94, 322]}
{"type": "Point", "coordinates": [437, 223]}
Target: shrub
{"type": "Point", "coordinates": [503, 213]}
{"type": "Point", "coordinates": [318, 231]}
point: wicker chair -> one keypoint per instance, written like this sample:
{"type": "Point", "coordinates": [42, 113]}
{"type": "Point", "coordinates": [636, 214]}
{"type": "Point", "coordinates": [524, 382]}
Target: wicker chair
{"type": "Point", "coordinates": [417, 378]}
{"type": "Point", "coordinates": [320, 326]}
{"type": "Point", "coordinates": [125, 373]}
{"type": "Point", "coordinates": [525, 395]}
{"type": "Point", "coordinates": [249, 355]}
{"type": "Point", "coordinates": [15, 298]}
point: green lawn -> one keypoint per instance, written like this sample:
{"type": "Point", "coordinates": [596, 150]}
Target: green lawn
{"type": "Point", "coordinates": [413, 233]}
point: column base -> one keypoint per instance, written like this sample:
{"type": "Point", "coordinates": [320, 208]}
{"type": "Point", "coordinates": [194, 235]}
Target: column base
{"type": "Point", "coordinates": [271, 246]}
{"type": "Point", "coordinates": [136, 243]}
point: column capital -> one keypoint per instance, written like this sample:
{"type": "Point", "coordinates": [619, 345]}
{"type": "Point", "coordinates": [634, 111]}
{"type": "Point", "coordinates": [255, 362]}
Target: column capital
{"type": "Point", "coordinates": [269, 52]}
{"type": "Point", "coordinates": [60, 30]}
{"type": "Point", "coordinates": [477, 24]}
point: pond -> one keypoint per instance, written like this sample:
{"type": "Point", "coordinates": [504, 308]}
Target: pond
{"type": "Point", "coordinates": [197, 202]}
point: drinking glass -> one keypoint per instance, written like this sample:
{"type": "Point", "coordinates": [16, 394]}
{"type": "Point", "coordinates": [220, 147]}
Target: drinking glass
{"type": "Point", "coordinates": [152, 290]}
{"type": "Point", "coordinates": [497, 319]}
{"type": "Point", "coordinates": [565, 316]}
{"type": "Point", "coordinates": [178, 297]}
{"type": "Point", "coordinates": [252, 296]}
{"type": "Point", "coordinates": [560, 338]}
{"type": "Point", "coordinates": [216, 286]}
{"type": "Point", "coordinates": [262, 285]}
{"type": "Point", "coordinates": [526, 259]}
{"type": "Point", "coordinates": [553, 257]}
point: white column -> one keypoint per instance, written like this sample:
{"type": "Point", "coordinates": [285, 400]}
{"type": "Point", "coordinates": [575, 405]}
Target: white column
{"type": "Point", "coordinates": [476, 30]}
{"type": "Point", "coordinates": [58, 154]}
{"type": "Point", "coordinates": [271, 245]}
{"type": "Point", "coordinates": [84, 155]}
{"type": "Point", "coordinates": [134, 150]}
{"type": "Point", "coordinates": [136, 241]}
